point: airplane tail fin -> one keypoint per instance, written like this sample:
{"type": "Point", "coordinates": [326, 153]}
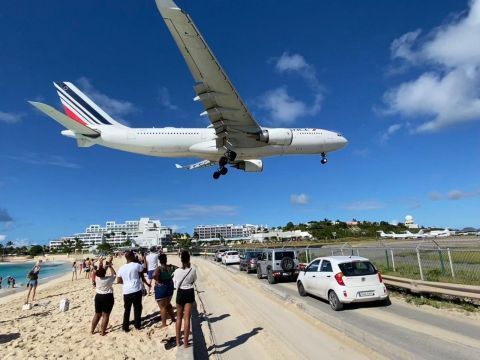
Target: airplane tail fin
{"type": "Point", "coordinates": [81, 108]}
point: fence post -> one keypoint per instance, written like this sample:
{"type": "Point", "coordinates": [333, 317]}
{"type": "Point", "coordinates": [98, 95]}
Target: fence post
{"type": "Point", "coordinates": [420, 264]}
{"type": "Point", "coordinates": [386, 257]}
{"type": "Point", "coordinates": [393, 260]}
{"type": "Point", "coordinates": [451, 263]}
{"type": "Point", "coordinates": [358, 252]}
{"type": "Point", "coordinates": [441, 261]}
{"type": "Point", "coordinates": [332, 252]}
{"type": "Point", "coordinates": [308, 256]}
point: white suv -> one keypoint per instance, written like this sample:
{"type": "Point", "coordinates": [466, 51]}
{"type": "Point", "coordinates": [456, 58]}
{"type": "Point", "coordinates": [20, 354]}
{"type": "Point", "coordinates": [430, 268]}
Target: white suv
{"type": "Point", "coordinates": [342, 279]}
{"type": "Point", "coordinates": [231, 257]}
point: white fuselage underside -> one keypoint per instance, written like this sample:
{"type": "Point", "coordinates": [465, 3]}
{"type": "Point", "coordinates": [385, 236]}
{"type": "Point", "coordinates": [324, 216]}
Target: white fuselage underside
{"type": "Point", "coordinates": [201, 142]}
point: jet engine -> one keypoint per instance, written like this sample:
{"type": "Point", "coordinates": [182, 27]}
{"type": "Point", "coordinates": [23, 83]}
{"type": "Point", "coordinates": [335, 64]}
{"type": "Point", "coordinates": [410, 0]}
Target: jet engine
{"type": "Point", "coordinates": [250, 165]}
{"type": "Point", "coordinates": [281, 137]}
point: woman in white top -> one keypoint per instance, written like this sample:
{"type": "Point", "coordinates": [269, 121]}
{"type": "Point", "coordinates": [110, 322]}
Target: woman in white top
{"type": "Point", "coordinates": [103, 296]}
{"type": "Point", "coordinates": [183, 279]}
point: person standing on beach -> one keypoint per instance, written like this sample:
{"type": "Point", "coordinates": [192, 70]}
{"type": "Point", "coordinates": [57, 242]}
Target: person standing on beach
{"type": "Point", "coordinates": [151, 265]}
{"type": "Point", "coordinates": [103, 296]}
{"type": "Point", "coordinates": [33, 280]}
{"type": "Point", "coordinates": [183, 279]}
{"type": "Point", "coordinates": [164, 289]}
{"type": "Point", "coordinates": [131, 276]}
{"type": "Point", "coordinates": [86, 268]}
{"type": "Point", "coordinates": [74, 270]}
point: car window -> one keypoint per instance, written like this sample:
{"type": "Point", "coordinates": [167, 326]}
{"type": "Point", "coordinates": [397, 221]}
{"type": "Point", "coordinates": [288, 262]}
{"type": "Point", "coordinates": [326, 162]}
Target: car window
{"type": "Point", "coordinates": [279, 255]}
{"type": "Point", "coordinates": [269, 256]}
{"type": "Point", "coordinates": [326, 266]}
{"type": "Point", "coordinates": [313, 267]}
{"type": "Point", "coordinates": [357, 268]}
{"type": "Point", "coordinates": [232, 253]}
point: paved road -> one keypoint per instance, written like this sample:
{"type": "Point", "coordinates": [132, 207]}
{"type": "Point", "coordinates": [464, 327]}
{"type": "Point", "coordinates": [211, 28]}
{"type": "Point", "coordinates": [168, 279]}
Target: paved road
{"type": "Point", "coordinates": [398, 331]}
{"type": "Point", "coordinates": [248, 323]}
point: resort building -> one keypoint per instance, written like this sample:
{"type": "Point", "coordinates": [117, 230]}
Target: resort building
{"type": "Point", "coordinates": [145, 232]}
{"type": "Point", "coordinates": [226, 231]}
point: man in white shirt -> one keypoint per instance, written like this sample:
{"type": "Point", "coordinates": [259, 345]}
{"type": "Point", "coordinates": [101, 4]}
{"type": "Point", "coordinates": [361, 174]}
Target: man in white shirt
{"type": "Point", "coordinates": [131, 276]}
{"type": "Point", "coordinates": [152, 264]}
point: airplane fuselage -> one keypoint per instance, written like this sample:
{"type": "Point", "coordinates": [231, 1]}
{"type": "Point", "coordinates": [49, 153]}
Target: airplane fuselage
{"type": "Point", "coordinates": [201, 142]}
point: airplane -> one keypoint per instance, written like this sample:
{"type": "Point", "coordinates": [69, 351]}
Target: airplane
{"type": "Point", "coordinates": [233, 138]}
{"type": "Point", "coordinates": [392, 235]}
{"type": "Point", "coordinates": [440, 233]}
{"type": "Point", "coordinates": [418, 235]}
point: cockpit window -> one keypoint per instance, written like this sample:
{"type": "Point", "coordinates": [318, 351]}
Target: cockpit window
{"type": "Point", "coordinates": [338, 134]}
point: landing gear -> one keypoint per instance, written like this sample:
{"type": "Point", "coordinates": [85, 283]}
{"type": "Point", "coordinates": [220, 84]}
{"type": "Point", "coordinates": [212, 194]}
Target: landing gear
{"type": "Point", "coordinates": [229, 156]}
{"type": "Point", "coordinates": [324, 158]}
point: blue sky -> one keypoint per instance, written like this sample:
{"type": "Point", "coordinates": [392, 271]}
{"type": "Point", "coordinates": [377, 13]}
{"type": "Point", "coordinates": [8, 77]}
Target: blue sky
{"type": "Point", "coordinates": [401, 80]}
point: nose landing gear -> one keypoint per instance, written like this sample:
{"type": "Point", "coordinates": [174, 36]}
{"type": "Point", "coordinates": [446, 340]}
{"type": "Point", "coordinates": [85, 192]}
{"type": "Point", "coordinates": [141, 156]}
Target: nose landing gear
{"type": "Point", "coordinates": [229, 156]}
{"type": "Point", "coordinates": [324, 158]}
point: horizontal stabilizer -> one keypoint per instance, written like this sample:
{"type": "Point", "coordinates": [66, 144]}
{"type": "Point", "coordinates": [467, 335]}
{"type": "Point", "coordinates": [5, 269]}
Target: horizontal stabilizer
{"type": "Point", "coordinates": [201, 164]}
{"type": "Point", "coordinates": [69, 123]}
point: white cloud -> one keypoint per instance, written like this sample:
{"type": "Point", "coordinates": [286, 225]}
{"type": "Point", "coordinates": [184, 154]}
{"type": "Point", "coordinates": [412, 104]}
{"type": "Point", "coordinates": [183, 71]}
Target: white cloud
{"type": "Point", "coordinates": [392, 129]}
{"type": "Point", "coordinates": [3, 237]}
{"type": "Point", "coordinates": [363, 205]}
{"type": "Point", "coordinates": [10, 118]}
{"type": "Point", "coordinates": [284, 108]}
{"type": "Point", "coordinates": [363, 152]}
{"type": "Point", "coordinates": [449, 92]}
{"type": "Point", "coordinates": [43, 160]}
{"type": "Point", "coordinates": [117, 109]}
{"type": "Point", "coordinates": [459, 194]}
{"type": "Point", "coordinates": [401, 48]}
{"type": "Point", "coordinates": [299, 199]}
{"type": "Point", "coordinates": [164, 97]}
{"type": "Point", "coordinates": [189, 211]}
{"type": "Point", "coordinates": [455, 194]}
{"type": "Point", "coordinates": [434, 196]}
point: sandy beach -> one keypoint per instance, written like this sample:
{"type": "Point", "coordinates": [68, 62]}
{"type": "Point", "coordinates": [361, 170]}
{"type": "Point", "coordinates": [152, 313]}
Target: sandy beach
{"type": "Point", "coordinates": [46, 333]}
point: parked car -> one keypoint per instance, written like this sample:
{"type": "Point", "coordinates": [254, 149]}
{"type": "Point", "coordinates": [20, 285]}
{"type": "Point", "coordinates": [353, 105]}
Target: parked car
{"type": "Point", "coordinates": [343, 280]}
{"type": "Point", "coordinates": [219, 254]}
{"type": "Point", "coordinates": [277, 264]}
{"type": "Point", "coordinates": [248, 261]}
{"type": "Point", "coordinates": [230, 257]}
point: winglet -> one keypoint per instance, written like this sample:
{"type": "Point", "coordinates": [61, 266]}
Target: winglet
{"type": "Point", "coordinates": [178, 166]}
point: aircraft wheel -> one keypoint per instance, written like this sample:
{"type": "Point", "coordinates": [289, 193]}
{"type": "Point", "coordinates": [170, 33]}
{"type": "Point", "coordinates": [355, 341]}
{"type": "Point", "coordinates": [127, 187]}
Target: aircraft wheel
{"type": "Point", "coordinates": [223, 161]}
{"type": "Point", "coordinates": [223, 171]}
{"type": "Point", "coordinates": [231, 155]}
{"type": "Point", "coordinates": [324, 161]}
{"type": "Point", "coordinates": [216, 175]}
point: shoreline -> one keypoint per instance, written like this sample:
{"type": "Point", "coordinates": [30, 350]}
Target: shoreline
{"type": "Point", "coordinates": [10, 292]}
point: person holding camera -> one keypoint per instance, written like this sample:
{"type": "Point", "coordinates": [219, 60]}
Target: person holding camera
{"type": "Point", "coordinates": [103, 295]}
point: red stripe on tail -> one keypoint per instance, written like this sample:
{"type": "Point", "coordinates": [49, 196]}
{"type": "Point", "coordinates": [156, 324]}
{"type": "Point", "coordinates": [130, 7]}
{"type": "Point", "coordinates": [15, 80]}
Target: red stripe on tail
{"type": "Point", "coordinates": [72, 115]}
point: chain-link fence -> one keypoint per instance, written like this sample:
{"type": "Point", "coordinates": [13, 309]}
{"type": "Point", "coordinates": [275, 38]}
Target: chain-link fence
{"type": "Point", "coordinates": [456, 265]}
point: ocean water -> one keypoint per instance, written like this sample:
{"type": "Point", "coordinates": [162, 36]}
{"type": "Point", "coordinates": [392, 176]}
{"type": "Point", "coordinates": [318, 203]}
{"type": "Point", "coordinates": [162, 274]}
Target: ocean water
{"type": "Point", "coordinates": [20, 271]}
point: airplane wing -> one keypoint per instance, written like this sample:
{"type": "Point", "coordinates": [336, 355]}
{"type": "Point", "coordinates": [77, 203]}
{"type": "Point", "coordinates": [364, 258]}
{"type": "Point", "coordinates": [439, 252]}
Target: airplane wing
{"type": "Point", "coordinates": [76, 125]}
{"type": "Point", "coordinates": [201, 164]}
{"type": "Point", "coordinates": [233, 123]}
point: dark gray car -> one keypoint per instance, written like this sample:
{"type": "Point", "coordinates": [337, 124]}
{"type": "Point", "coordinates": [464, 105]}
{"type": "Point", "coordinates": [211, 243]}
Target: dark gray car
{"type": "Point", "coordinates": [276, 264]}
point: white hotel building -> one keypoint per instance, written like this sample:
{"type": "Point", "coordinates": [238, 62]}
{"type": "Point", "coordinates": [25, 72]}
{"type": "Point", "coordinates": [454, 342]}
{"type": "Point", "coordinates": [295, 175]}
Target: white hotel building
{"type": "Point", "coordinates": [144, 232]}
{"type": "Point", "coordinates": [226, 231]}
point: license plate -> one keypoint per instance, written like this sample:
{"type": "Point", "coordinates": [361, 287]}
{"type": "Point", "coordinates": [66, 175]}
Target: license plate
{"type": "Point", "coordinates": [286, 274]}
{"type": "Point", "coordinates": [366, 293]}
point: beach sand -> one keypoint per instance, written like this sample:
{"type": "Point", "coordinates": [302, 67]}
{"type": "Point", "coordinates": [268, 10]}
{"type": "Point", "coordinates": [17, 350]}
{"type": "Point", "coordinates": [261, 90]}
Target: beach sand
{"type": "Point", "coordinates": [46, 333]}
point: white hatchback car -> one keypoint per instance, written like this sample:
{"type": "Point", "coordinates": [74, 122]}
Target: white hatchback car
{"type": "Point", "coordinates": [342, 279]}
{"type": "Point", "coordinates": [231, 257]}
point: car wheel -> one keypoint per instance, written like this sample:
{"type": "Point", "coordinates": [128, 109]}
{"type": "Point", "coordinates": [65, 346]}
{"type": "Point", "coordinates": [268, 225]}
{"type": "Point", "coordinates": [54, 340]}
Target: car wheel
{"type": "Point", "coordinates": [335, 304]}
{"type": "Point", "coordinates": [301, 289]}
{"type": "Point", "coordinates": [270, 277]}
{"type": "Point", "coordinates": [259, 273]}
{"type": "Point", "coordinates": [386, 301]}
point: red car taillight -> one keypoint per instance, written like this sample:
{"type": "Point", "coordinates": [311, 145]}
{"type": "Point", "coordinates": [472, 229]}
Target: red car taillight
{"type": "Point", "coordinates": [379, 276]}
{"type": "Point", "coordinates": [339, 278]}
